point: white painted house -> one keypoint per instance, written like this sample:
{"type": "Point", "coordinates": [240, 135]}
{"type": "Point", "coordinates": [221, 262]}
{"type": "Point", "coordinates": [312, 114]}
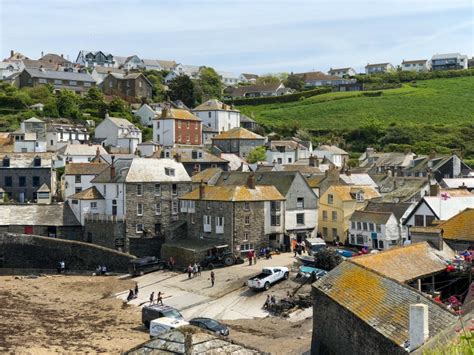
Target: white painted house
{"type": "Point", "coordinates": [9, 68]}
{"type": "Point", "coordinates": [375, 230]}
{"type": "Point", "coordinates": [87, 202]}
{"type": "Point", "coordinates": [147, 113]}
{"type": "Point", "coordinates": [218, 116]}
{"type": "Point", "coordinates": [449, 61]}
{"type": "Point", "coordinates": [120, 133]}
{"type": "Point", "coordinates": [58, 135]}
{"type": "Point", "coordinates": [342, 72]}
{"type": "Point", "coordinates": [335, 155]}
{"type": "Point", "coordinates": [379, 68]}
{"type": "Point", "coordinates": [422, 65]}
{"type": "Point", "coordinates": [285, 152]}
{"type": "Point", "coordinates": [78, 176]}
{"type": "Point", "coordinates": [79, 153]}
{"type": "Point", "coordinates": [228, 78]}
{"type": "Point", "coordinates": [192, 71]}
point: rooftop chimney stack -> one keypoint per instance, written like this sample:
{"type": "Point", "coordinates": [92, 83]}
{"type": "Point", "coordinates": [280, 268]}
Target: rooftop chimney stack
{"type": "Point", "coordinates": [202, 189]}
{"type": "Point", "coordinates": [177, 157]}
{"type": "Point", "coordinates": [112, 168]}
{"type": "Point", "coordinates": [313, 161]}
{"type": "Point", "coordinates": [434, 189]}
{"type": "Point", "coordinates": [418, 328]}
{"type": "Point", "coordinates": [251, 181]}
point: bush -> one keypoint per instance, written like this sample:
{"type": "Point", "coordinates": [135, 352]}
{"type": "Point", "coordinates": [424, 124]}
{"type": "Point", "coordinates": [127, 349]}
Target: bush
{"type": "Point", "coordinates": [407, 76]}
{"type": "Point", "coordinates": [280, 99]}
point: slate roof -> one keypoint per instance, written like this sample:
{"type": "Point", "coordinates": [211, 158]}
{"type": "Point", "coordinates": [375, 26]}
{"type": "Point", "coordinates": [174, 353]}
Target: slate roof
{"type": "Point", "coordinates": [358, 179]}
{"type": "Point", "coordinates": [177, 114]}
{"type": "Point", "coordinates": [446, 55]}
{"type": "Point", "coordinates": [246, 119]}
{"type": "Point", "coordinates": [154, 170]}
{"type": "Point", "coordinates": [121, 171]}
{"type": "Point", "coordinates": [459, 227]}
{"type": "Point", "coordinates": [380, 302]}
{"type": "Point", "coordinates": [235, 162]}
{"type": "Point", "coordinates": [398, 209]}
{"type": "Point", "coordinates": [242, 90]}
{"type": "Point", "coordinates": [236, 193]}
{"type": "Point", "coordinates": [371, 217]}
{"type": "Point", "coordinates": [414, 61]}
{"type": "Point", "coordinates": [82, 149]}
{"type": "Point", "coordinates": [376, 65]}
{"type": "Point", "coordinates": [88, 194]}
{"type": "Point", "coordinates": [206, 175]}
{"type": "Point", "coordinates": [399, 189]}
{"type": "Point", "coordinates": [61, 75]}
{"type": "Point", "coordinates": [39, 215]}
{"type": "Point", "coordinates": [84, 168]}
{"type": "Point", "coordinates": [187, 156]}
{"type": "Point", "coordinates": [407, 263]}
{"type": "Point", "coordinates": [303, 169]}
{"type": "Point", "coordinates": [250, 76]}
{"type": "Point", "coordinates": [26, 160]}
{"type": "Point", "coordinates": [289, 145]}
{"type": "Point", "coordinates": [214, 105]}
{"type": "Point", "coordinates": [238, 133]}
{"type": "Point", "coordinates": [331, 148]}
{"type": "Point", "coordinates": [446, 209]}
{"type": "Point", "coordinates": [167, 64]}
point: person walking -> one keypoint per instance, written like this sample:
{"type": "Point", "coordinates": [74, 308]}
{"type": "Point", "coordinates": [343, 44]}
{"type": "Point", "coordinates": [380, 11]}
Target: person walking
{"type": "Point", "coordinates": [195, 270]}
{"type": "Point", "coordinates": [130, 296]}
{"type": "Point", "coordinates": [136, 289]}
{"type": "Point", "coordinates": [190, 271]}
{"type": "Point", "coordinates": [152, 296]}
{"type": "Point", "coordinates": [213, 278]}
{"type": "Point", "coordinates": [199, 269]}
{"type": "Point", "coordinates": [250, 256]}
{"type": "Point", "coordinates": [255, 258]}
{"type": "Point", "coordinates": [171, 263]}
{"type": "Point", "coordinates": [159, 298]}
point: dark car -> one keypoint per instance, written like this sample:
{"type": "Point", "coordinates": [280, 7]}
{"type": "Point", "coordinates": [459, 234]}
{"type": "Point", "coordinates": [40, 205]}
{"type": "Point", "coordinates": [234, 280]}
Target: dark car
{"type": "Point", "coordinates": [145, 264]}
{"type": "Point", "coordinates": [157, 311]}
{"type": "Point", "coordinates": [211, 325]}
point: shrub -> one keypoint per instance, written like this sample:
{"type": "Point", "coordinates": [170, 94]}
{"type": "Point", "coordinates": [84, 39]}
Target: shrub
{"type": "Point", "coordinates": [280, 99]}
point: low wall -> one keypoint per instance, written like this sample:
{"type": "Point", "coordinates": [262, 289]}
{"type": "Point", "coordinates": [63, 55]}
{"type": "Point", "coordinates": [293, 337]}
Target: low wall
{"type": "Point", "coordinates": [36, 252]}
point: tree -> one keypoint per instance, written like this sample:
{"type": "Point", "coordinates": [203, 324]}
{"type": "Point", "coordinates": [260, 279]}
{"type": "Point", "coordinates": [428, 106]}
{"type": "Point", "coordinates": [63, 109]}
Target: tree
{"type": "Point", "coordinates": [157, 80]}
{"type": "Point", "coordinates": [257, 154]}
{"type": "Point", "coordinates": [208, 85]}
{"type": "Point", "coordinates": [182, 88]}
{"type": "Point", "coordinates": [68, 104]}
{"type": "Point", "coordinates": [119, 107]}
{"type": "Point", "coordinates": [268, 79]}
{"type": "Point", "coordinates": [294, 82]}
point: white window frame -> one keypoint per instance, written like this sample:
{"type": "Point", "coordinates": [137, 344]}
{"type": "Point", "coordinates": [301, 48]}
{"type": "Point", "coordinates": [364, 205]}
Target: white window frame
{"type": "Point", "coordinates": [139, 190]}
{"type": "Point", "coordinates": [157, 189]}
{"type": "Point", "coordinates": [139, 230]}
{"type": "Point", "coordinates": [139, 209]}
{"type": "Point", "coordinates": [158, 208]}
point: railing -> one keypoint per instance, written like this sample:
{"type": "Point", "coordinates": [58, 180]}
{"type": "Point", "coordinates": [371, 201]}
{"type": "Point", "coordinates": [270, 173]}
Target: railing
{"type": "Point", "coordinates": [96, 217]}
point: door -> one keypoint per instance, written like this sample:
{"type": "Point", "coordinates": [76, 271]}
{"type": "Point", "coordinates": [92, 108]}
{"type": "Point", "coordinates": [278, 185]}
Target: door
{"type": "Point", "coordinates": [21, 197]}
{"type": "Point", "coordinates": [158, 229]}
{"type": "Point", "coordinates": [28, 229]}
{"type": "Point", "coordinates": [114, 207]}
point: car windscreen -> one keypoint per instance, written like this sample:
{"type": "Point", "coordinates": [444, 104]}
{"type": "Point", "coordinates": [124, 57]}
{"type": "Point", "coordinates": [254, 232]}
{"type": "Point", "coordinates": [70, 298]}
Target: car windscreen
{"type": "Point", "coordinates": [211, 323]}
{"type": "Point", "coordinates": [172, 313]}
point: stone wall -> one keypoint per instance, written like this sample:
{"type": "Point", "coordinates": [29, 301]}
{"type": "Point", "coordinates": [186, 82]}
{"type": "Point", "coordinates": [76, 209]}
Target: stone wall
{"type": "Point", "coordinates": [65, 232]}
{"type": "Point", "coordinates": [109, 234]}
{"type": "Point", "coordinates": [145, 246]}
{"type": "Point", "coordinates": [182, 256]}
{"type": "Point", "coordinates": [43, 174]}
{"type": "Point", "coordinates": [338, 331]}
{"type": "Point", "coordinates": [36, 252]}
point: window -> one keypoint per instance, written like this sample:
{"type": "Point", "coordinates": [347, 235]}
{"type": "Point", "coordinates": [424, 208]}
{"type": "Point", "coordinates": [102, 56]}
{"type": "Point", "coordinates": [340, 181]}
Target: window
{"type": "Point", "coordinates": [36, 181]}
{"type": "Point", "coordinates": [157, 137]}
{"type": "Point", "coordinates": [334, 232]}
{"type": "Point", "coordinates": [75, 202]}
{"type": "Point", "coordinates": [87, 84]}
{"type": "Point", "coordinates": [360, 196]}
{"type": "Point", "coordinates": [359, 225]}
{"type": "Point", "coordinates": [246, 206]}
{"type": "Point", "coordinates": [246, 237]}
{"type": "Point", "coordinates": [246, 247]}
{"type": "Point", "coordinates": [22, 181]}
{"type": "Point", "coordinates": [429, 220]}
{"type": "Point", "coordinates": [174, 189]}
{"type": "Point", "coordinates": [300, 202]}
{"type": "Point", "coordinates": [77, 190]}
{"type": "Point", "coordinates": [247, 220]}
{"type": "Point", "coordinates": [276, 205]}
{"type": "Point", "coordinates": [77, 179]}
{"type": "Point", "coordinates": [139, 228]}
{"type": "Point", "coordinates": [330, 199]}
{"type": "Point", "coordinates": [169, 171]}
{"type": "Point", "coordinates": [325, 232]}
{"type": "Point", "coordinates": [207, 223]}
{"type": "Point", "coordinates": [219, 221]}
{"type": "Point", "coordinates": [209, 114]}
{"type": "Point", "coordinates": [279, 160]}
{"type": "Point", "coordinates": [158, 208]}
{"type": "Point", "coordinates": [179, 124]}
{"type": "Point", "coordinates": [8, 181]}
{"type": "Point", "coordinates": [371, 227]}
{"type": "Point", "coordinates": [42, 81]}
{"type": "Point", "coordinates": [325, 215]}
{"type": "Point", "coordinates": [300, 218]}
{"type": "Point", "coordinates": [139, 209]}
{"type": "Point", "coordinates": [380, 244]}
{"type": "Point", "coordinates": [208, 205]}
{"type": "Point", "coordinates": [157, 124]}
{"type": "Point", "coordinates": [334, 215]}
{"type": "Point", "coordinates": [72, 83]}
{"type": "Point", "coordinates": [94, 205]}
{"type": "Point", "coordinates": [275, 220]}
{"type": "Point", "coordinates": [117, 190]}
{"type": "Point", "coordinates": [139, 189]}
{"type": "Point", "coordinates": [378, 228]}
{"type": "Point", "coordinates": [419, 220]}
{"type": "Point", "coordinates": [58, 82]}
{"type": "Point", "coordinates": [187, 124]}
{"type": "Point", "coordinates": [157, 189]}
{"type": "Point", "coordinates": [290, 160]}
{"type": "Point", "coordinates": [174, 207]}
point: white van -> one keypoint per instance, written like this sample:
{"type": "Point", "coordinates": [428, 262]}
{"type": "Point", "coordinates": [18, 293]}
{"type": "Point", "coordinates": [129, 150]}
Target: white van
{"type": "Point", "coordinates": [313, 245]}
{"type": "Point", "coordinates": [163, 324]}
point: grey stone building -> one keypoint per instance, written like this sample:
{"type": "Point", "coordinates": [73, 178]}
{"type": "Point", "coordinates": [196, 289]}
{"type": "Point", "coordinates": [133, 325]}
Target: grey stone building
{"type": "Point", "coordinates": [22, 174]}
{"type": "Point", "coordinates": [152, 189]}
{"type": "Point", "coordinates": [239, 141]}
{"type": "Point", "coordinates": [244, 217]}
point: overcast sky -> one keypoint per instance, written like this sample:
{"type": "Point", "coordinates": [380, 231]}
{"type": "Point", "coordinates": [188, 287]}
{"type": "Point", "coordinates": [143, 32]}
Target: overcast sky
{"type": "Point", "coordinates": [256, 36]}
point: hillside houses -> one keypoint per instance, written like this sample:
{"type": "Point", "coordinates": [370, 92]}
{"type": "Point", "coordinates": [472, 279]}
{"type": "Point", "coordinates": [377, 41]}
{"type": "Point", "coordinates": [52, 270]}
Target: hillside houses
{"type": "Point", "coordinates": [119, 133]}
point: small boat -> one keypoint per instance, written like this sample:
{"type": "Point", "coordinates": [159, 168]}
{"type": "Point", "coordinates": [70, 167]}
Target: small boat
{"type": "Point", "coordinates": [345, 253]}
{"type": "Point", "coordinates": [307, 271]}
{"type": "Point", "coordinates": [307, 259]}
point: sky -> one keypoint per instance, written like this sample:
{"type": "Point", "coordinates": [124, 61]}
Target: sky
{"type": "Point", "coordinates": [250, 36]}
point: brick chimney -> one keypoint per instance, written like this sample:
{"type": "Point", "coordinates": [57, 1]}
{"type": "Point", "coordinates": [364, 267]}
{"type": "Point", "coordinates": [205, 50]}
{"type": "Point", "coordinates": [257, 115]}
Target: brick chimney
{"type": "Point", "coordinates": [434, 189]}
{"type": "Point", "coordinates": [418, 325]}
{"type": "Point", "coordinates": [202, 190]}
{"type": "Point", "coordinates": [313, 161]}
{"type": "Point", "coordinates": [112, 168]}
{"type": "Point", "coordinates": [251, 181]}
{"type": "Point", "coordinates": [177, 157]}
{"type": "Point", "coordinates": [332, 174]}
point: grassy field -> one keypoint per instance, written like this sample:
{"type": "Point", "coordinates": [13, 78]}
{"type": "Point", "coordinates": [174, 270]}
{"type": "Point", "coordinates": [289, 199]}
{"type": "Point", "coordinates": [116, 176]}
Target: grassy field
{"type": "Point", "coordinates": [432, 102]}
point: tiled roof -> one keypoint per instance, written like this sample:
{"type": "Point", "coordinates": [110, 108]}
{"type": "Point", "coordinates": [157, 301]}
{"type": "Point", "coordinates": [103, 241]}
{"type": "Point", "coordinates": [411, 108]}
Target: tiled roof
{"type": "Point", "coordinates": [398, 209]}
{"type": "Point", "coordinates": [39, 215]}
{"type": "Point", "coordinates": [187, 156]}
{"type": "Point", "coordinates": [238, 133]}
{"type": "Point", "coordinates": [61, 75]}
{"type": "Point", "coordinates": [459, 227]}
{"type": "Point", "coordinates": [214, 105]}
{"type": "Point", "coordinates": [414, 61]}
{"type": "Point", "coordinates": [236, 193]}
{"type": "Point", "coordinates": [206, 175]}
{"type": "Point", "coordinates": [380, 302]}
{"type": "Point", "coordinates": [407, 263]}
{"type": "Point", "coordinates": [332, 149]}
{"type": "Point", "coordinates": [371, 217]}
{"type": "Point", "coordinates": [178, 114]}
{"type": "Point", "coordinates": [84, 168]}
{"type": "Point", "coordinates": [347, 192]}
{"type": "Point", "coordinates": [88, 194]}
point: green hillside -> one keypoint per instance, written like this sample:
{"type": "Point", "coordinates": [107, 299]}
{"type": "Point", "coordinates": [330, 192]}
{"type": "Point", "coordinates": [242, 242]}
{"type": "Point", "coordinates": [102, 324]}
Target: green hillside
{"type": "Point", "coordinates": [443, 101]}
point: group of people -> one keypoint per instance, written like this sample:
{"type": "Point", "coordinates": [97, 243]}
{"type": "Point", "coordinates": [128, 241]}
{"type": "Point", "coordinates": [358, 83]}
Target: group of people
{"type": "Point", "coordinates": [252, 256]}
{"type": "Point", "coordinates": [132, 293]}
{"type": "Point", "coordinates": [61, 267]}
{"type": "Point", "coordinates": [269, 302]}
{"type": "Point", "coordinates": [159, 298]}
{"type": "Point", "coordinates": [101, 270]}
{"type": "Point", "coordinates": [171, 263]}
{"type": "Point", "coordinates": [193, 270]}
{"type": "Point", "coordinates": [298, 247]}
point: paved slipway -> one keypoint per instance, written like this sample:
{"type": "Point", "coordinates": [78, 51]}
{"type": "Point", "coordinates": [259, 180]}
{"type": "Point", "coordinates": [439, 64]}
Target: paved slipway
{"type": "Point", "coordinates": [229, 299]}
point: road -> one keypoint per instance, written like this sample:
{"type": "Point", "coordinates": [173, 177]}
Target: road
{"type": "Point", "coordinates": [229, 299]}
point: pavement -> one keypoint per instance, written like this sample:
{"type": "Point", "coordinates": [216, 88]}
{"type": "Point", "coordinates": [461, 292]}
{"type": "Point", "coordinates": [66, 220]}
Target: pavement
{"type": "Point", "coordinates": [229, 299]}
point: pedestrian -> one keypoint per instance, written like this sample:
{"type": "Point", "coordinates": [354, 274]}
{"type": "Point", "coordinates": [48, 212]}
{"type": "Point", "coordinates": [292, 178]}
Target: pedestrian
{"type": "Point", "coordinates": [130, 296]}
{"type": "Point", "coordinates": [255, 258]}
{"type": "Point", "coordinates": [190, 271]}
{"type": "Point", "coordinates": [59, 267]}
{"type": "Point", "coordinates": [250, 256]}
{"type": "Point", "coordinates": [171, 263]}
{"type": "Point", "coordinates": [159, 298]}
{"type": "Point", "coordinates": [199, 269]}
{"type": "Point", "coordinates": [103, 270]}
{"type": "Point", "coordinates": [272, 300]}
{"type": "Point", "coordinates": [63, 267]}
{"type": "Point", "coordinates": [293, 245]}
{"type": "Point", "coordinates": [303, 248]}
{"type": "Point", "coordinates": [266, 305]}
{"type": "Point", "coordinates": [152, 296]}
{"type": "Point", "coordinates": [195, 269]}
{"type": "Point", "coordinates": [136, 289]}
{"type": "Point", "coordinates": [213, 278]}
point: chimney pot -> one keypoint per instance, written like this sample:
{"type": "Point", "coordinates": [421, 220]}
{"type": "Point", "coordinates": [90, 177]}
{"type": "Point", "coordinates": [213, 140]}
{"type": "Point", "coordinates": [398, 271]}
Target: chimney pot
{"type": "Point", "coordinates": [418, 325]}
{"type": "Point", "coordinates": [251, 181]}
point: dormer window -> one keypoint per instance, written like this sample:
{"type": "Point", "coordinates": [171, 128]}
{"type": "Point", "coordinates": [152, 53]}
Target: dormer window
{"type": "Point", "coordinates": [6, 162]}
{"type": "Point", "coordinates": [360, 196]}
{"type": "Point", "coordinates": [169, 171]}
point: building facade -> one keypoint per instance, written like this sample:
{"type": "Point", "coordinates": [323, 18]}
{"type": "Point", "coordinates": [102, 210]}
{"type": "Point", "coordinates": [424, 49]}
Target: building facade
{"type": "Point", "coordinates": [177, 126]}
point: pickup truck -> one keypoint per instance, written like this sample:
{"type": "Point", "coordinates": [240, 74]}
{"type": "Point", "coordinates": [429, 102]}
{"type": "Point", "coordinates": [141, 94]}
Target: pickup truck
{"type": "Point", "coordinates": [267, 277]}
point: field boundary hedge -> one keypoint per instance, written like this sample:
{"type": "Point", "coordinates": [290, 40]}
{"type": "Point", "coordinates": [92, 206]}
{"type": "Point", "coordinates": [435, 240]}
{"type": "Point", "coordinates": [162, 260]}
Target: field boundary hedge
{"type": "Point", "coordinates": [280, 99]}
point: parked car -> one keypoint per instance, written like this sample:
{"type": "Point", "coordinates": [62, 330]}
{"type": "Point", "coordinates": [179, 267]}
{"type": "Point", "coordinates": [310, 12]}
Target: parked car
{"type": "Point", "coordinates": [145, 264]}
{"type": "Point", "coordinates": [313, 245]}
{"type": "Point", "coordinates": [267, 277]}
{"type": "Point", "coordinates": [157, 311]}
{"type": "Point", "coordinates": [163, 324]}
{"type": "Point", "coordinates": [219, 255]}
{"type": "Point", "coordinates": [211, 325]}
